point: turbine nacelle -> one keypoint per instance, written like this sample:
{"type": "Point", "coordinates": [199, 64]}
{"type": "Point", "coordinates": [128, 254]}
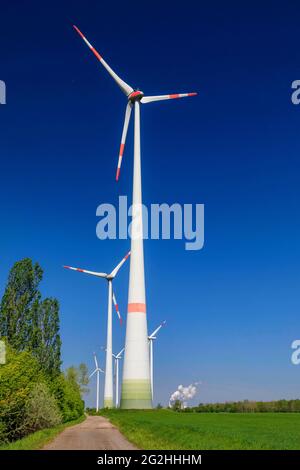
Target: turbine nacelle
{"type": "Point", "coordinates": [136, 95]}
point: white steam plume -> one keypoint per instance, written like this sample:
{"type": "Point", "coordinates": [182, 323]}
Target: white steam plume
{"type": "Point", "coordinates": [183, 394]}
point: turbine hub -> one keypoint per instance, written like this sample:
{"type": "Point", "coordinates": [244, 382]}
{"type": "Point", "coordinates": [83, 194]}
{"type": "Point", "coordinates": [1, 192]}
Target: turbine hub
{"type": "Point", "coordinates": [136, 95]}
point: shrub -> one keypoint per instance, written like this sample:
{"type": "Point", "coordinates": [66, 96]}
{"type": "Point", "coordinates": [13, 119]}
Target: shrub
{"type": "Point", "coordinates": [41, 410]}
{"type": "Point", "coordinates": [17, 379]}
{"type": "Point", "coordinates": [67, 394]}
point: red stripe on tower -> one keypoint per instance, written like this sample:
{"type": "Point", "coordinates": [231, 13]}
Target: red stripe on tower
{"type": "Point", "coordinates": [136, 307]}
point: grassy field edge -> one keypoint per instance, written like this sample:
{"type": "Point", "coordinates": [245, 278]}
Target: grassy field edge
{"type": "Point", "coordinates": [38, 439]}
{"type": "Point", "coordinates": [142, 437]}
{"type": "Point", "coordinates": [168, 430]}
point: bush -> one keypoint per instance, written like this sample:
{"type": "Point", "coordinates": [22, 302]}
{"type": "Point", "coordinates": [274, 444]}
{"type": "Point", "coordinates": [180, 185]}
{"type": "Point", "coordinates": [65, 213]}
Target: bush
{"type": "Point", "coordinates": [67, 394]}
{"type": "Point", "coordinates": [41, 410]}
{"type": "Point", "coordinates": [17, 379]}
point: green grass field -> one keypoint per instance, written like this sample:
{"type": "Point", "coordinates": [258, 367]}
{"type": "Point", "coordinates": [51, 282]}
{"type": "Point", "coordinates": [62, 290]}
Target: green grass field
{"type": "Point", "coordinates": [165, 429]}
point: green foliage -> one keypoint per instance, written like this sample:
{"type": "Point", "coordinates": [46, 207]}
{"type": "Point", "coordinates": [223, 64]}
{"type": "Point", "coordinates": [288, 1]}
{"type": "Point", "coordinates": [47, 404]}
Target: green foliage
{"type": "Point", "coordinates": [45, 341]}
{"type": "Point", "coordinates": [21, 296]}
{"type": "Point", "coordinates": [83, 378]}
{"type": "Point", "coordinates": [17, 379]}
{"type": "Point", "coordinates": [38, 439]}
{"type": "Point", "coordinates": [164, 429]}
{"type": "Point", "coordinates": [93, 412]}
{"type": "Point", "coordinates": [28, 322]}
{"type": "Point", "coordinates": [33, 392]}
{"type": "Point", "coordinates": [29, 397]}
{"type": "Point", "coordinates": [67, 393]}
{"type": "Point", "coordinates": [246, 406]}
{"type": "Point", "coordinates": [177, 405]}
{"type": "Point", "coordinates": [79, 377]}
{"type": "Point", "coordinates": [41, 410]}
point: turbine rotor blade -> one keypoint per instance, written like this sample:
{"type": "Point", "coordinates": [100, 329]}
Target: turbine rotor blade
{"type": "Point", "coordinates": [117, 310]}
{"type": "Point", "coordinates": [93, 373]}
{"type": "Point", "coordinates": [123, 85]}
{"type": "Point", "coordinates": [96, 362]}
{"type": "Point", "coordinates": [123, 138]}
{"type": "Point", "coordinates": [149, 99]}
{"type": "Point", "coordinates": [152, 336]}
{"type": "Point", "coordinates": [92, 273]}
{"type": "Point", "coordinates": [118, 356]}
{"type": "Point", "coordinates": [116, 269]}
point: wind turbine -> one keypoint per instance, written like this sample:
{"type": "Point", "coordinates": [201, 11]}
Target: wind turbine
{"type": "Point", "coordinates": [136, 385]}
{"type": "Point", "coordinates": [152, 338]}
{"type": "Point", "coordinates": [108, 387]}
{"type": "Point", "coordinates": [117, 358]}
{"type": "Point", "coordinates": [97, 371]}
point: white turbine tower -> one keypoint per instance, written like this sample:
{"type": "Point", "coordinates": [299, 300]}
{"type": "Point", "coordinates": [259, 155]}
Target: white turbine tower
{"type": "Point", "coordinates": [117, 358]}
{"type": "Point", "coordinates": [108, 387]}
{"type": "Point", "coordinates": [152, 338]}
{"type": "Point", "coordinates": [97, 371]}
{"type": "Point", "coordinates": [136, 386]}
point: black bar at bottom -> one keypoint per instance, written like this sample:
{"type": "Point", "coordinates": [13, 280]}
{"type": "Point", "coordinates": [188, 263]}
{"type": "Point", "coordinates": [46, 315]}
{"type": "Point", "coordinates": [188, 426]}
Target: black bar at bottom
{"type": "Point", "coordinates": [134, 459]}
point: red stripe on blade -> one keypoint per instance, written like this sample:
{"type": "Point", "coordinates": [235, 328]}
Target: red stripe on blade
{"type": "Point", "coordinates": [174, 96]}
{"type": "Point", "coordinates": [192, 94]}
{"type": "Point", "coordinates": [122, 149]}
{"type": "Point", "coordinates": [78, 31]}
{"type": "Point", "coordinates": [96, 53]}
{"type": "Point", "coordinates": [118, 174]}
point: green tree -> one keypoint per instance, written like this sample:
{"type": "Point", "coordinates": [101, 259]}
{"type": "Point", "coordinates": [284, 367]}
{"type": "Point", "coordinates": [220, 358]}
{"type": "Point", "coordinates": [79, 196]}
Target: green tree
{"type": "Point", "coordinates": [26, 321]}
{"type": "Point", "coordinates": [45, 342]}
{"type": "Point", "coordinates": [20, 298]}
{"type": "Point", "coordinates": [177, 405]}
{"type": "Point", "coordinates": [79, 377]}
{"type": "Point", "coordinates": [83, 378]}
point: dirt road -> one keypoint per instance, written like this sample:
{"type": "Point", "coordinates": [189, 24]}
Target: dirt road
{"type": "Point", "coordinates": [95, 433]}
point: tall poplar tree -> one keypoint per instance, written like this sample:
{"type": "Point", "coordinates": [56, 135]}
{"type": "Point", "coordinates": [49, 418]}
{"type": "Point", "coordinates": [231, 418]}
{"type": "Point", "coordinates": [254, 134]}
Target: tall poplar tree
{"type": "Point", "coordinates": [45, 342]}
{"type": "Point", "coordinates": [27, 322]}
{"type": "Point", "coordinates": [20, 298]}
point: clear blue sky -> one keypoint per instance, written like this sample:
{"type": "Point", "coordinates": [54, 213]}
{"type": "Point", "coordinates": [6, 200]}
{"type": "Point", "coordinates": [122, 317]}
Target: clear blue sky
{"type": "Point", "coordinates": [232, 308]}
